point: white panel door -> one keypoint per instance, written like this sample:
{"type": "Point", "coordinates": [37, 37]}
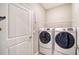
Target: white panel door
{"type": "Point", "coordinates": [18, 21]}
{"type": "Point", "coordinates": [21, 49]}
{"type": "Point", "coordinates": [19, 27]}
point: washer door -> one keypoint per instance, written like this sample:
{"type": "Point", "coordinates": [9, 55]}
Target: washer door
{"type": "Point", "coordinates": [44, 37]}
{"type": "Point", "coordinates": [65, 40]}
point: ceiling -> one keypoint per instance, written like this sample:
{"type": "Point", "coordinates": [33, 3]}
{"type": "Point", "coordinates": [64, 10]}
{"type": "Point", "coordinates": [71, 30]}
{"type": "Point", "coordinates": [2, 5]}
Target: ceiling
{"type": "Point", "coordinates": [50, 5]}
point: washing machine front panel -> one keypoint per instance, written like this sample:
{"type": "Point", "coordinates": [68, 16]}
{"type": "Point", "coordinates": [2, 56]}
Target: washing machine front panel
{"type": "Point", "coordinates": [45, 51]}
{"type": "Point", "coordinates": [69, 49]}
{"type": "Point", "coordinates": [46, 41]}
{"type": "Point", "coordinates": [65, 40]}
{"type": "Point", "coordinates": [45, 37]}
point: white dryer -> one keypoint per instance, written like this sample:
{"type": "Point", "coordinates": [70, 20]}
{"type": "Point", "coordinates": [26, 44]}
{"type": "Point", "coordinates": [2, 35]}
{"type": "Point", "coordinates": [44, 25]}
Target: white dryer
{"type": "Point", "coordinates": [46, 41]}
{"type": "Point", "coordinates": [65, 41]}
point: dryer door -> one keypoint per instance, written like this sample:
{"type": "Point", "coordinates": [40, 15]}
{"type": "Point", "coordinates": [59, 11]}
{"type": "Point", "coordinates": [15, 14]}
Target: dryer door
{"type": "Point", "coordinates": [44, 37]}
{"type": "Point", "coordinates": [65, 40]}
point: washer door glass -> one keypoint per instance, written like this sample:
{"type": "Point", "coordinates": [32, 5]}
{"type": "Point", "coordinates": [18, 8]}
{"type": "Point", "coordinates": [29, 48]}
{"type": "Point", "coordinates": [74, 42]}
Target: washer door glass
{"type": "Point", "coordinates": [44, 37]}
{"type": "Point", "coordinates": [65, 40]}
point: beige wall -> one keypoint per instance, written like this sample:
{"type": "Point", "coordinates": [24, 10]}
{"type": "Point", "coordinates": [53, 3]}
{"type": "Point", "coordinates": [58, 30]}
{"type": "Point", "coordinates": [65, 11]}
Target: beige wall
{"type": "Point", "coordinates": [39, 18]}
{"type": "Point", "coordinates": [75, 21]}
{"type": "Point", "coordinates": [75, 13]}
{"type": "Point", "coordinates": [60, 16]}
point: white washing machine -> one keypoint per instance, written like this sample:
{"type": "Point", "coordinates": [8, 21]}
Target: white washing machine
{"type": "Point", "coordinates": [77, 40]}
{"type": "Point", "coordinates": [46, 41]}
{"type": "Point", "coordinates": [65, 41]}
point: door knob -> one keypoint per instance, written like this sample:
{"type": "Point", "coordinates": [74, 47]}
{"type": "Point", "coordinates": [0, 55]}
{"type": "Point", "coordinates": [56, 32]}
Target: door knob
{"type": "Point", "coordinates": [30, 37]}
{"type": "Point", "coordinates": [2, 18]}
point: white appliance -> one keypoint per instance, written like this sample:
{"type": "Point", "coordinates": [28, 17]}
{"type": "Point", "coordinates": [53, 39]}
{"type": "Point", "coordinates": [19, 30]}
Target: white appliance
{"type": "Point", "coordinates": [77, 40]}
{"type": "Point", "coordinates": [65, 41]}
{"type": "Point", "coordinates": [46, 41]}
